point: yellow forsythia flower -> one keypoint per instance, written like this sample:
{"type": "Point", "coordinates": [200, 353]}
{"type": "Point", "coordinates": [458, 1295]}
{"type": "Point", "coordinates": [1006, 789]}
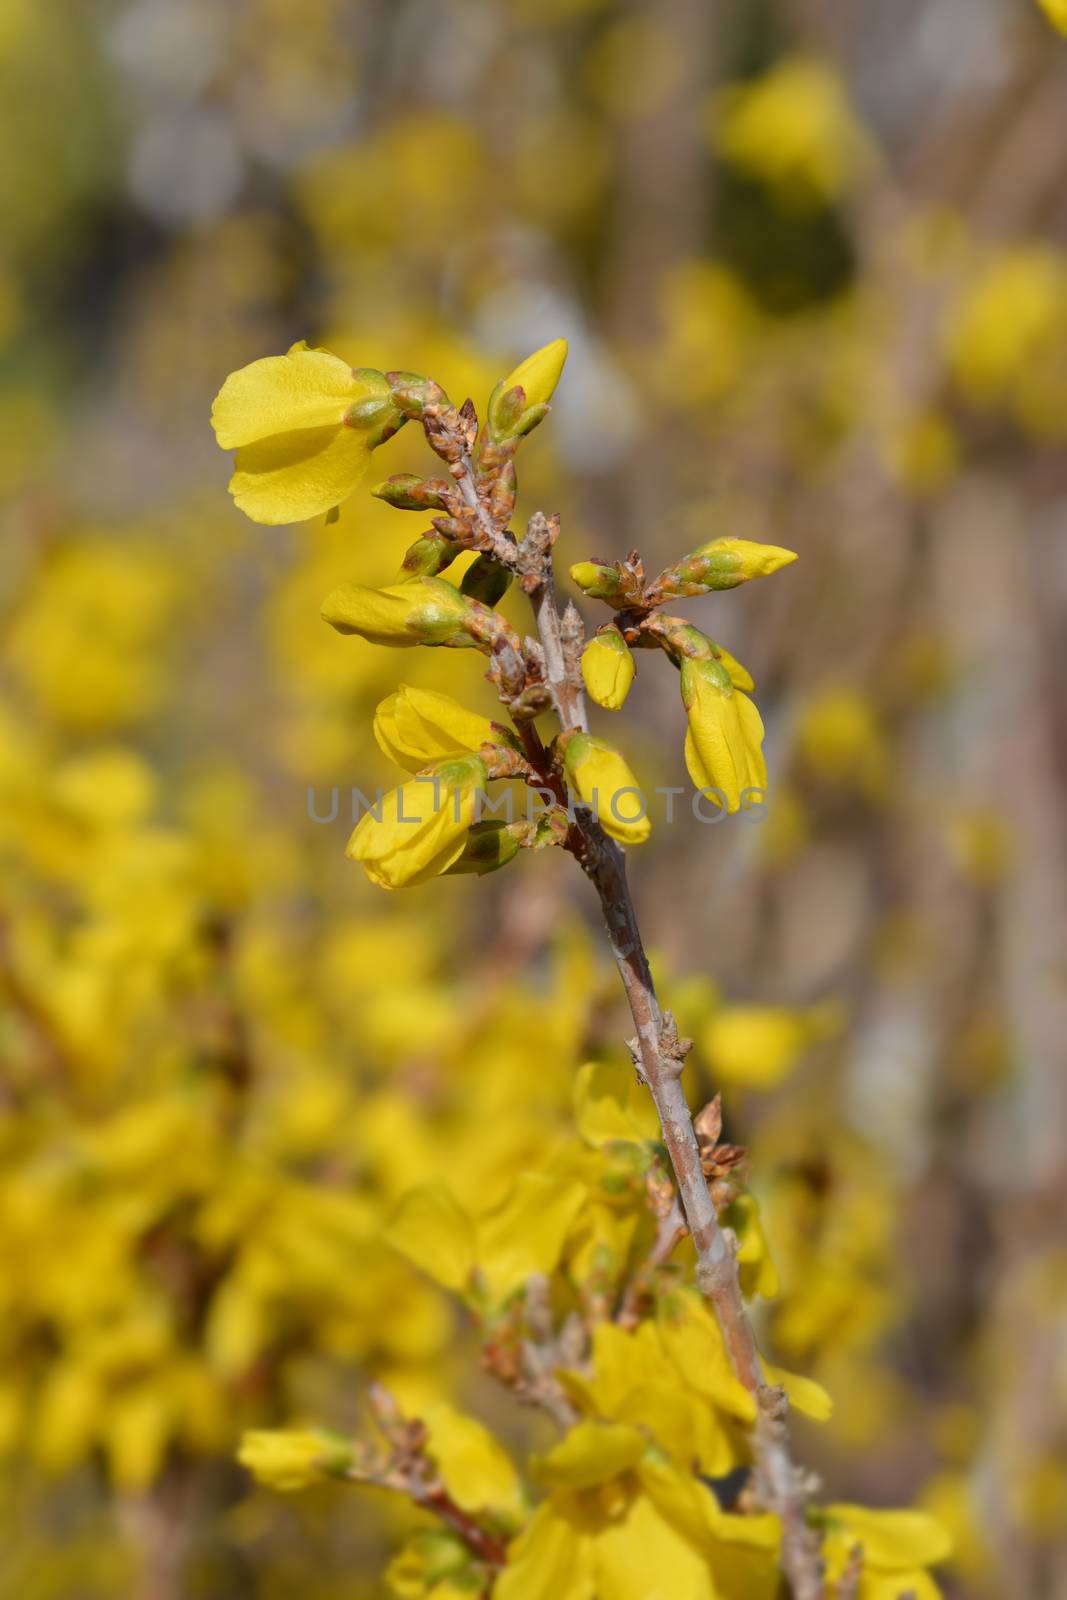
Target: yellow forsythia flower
{"type": "Point", "coordinates": [602, 779]}
{"type": "Point", "coordinates": [608, 668]}
{"type": "Point", "coordinates": [423, 826]}
{"type": "Point", "coordinates": [897, 1547]}
{"type": "Point", "coordinates": [292, 1458]}
{"type": "Point", "coordinates": [303, 426]}
{"type": "Point", "coordinates": [474, 1466]}
{"type": "Point", "coordinates": [416, 726]}
{"type": "Point", "coordinates": [421, 611]}
{"type": "Point", "coordinates": [523, 1235]}
{"type": "Point", "coordinates": [1056, 12]}
{"type": "Point", "coordinates": [724, 745]}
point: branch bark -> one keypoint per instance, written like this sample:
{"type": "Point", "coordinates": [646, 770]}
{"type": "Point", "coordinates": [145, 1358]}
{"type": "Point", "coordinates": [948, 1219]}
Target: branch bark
{"type": "Point", "coordinates": [658, 1057]}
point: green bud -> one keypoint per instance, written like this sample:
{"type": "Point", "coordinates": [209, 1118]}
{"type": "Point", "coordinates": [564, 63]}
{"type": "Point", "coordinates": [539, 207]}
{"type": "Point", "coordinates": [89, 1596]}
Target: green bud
{"type": "Point", "coordinates": [601, 582]}
{"type": "Point", "coordinates": [490, 846]}
{"type": "Point", "coordinates": [413, 393]}
{"type": "Point", "coordinates": [428, 556]}
{"type": "Point", "coordinates": [377, 414]}
{"type": "Point", "coordinates": [485, 580]}
{"type": "Point", "coordinates": [408, 492]}
{"type": "Point", "coordinates": [721, 564]}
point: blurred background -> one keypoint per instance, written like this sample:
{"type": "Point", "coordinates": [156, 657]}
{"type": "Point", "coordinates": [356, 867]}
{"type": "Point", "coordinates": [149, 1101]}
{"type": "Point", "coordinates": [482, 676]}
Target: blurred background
{"type": "Point", "coordinates": [811, 259]}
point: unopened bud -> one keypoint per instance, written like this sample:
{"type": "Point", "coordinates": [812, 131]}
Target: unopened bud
{"type": "Point", "coordinates": [490, 846]}
{"type": "Point", "coordinates": [408, 492]}
{"type": "Point", "coordinates": [520, 401]}
{"type": "Point", "coordinates": [428, 556]}
{"type": "Point", "coordinates": [423, 611]}
{"type": "Point", "coordinates": [722, 564]}
{"type": "Point", "coordinates": [608, 668]}
{"type": "Point", "coordinates": [601, 582]}
{"type": "Point", "coordinates": [485, 580]}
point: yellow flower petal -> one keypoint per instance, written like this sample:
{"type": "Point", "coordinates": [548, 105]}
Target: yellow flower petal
{"type": "Point", "coordinates": [435, 1233]}
{"type": "Point", "coordinates": [293, 476]}
{"type": "Point", "coordinates": [525, 1235]}
{"type": "Point", "coordinates": [477, 1471]}
{"type": "Point", "coordinates": [590, 1453]}
{"type": "Point", "coordinates": [611, 1103]}
{"type": "Point", "coordinates": [550, 1560]}
{"type": "Point", "coordinates": [895, 1541]}
{"type": "Point", "coordinates": [283, 394]}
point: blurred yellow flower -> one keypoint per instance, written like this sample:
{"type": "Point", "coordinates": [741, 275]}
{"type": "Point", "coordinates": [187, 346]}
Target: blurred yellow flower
{"type": "Point", "coordinates": [289, 1458]}
{"type": "Point", "coordinates": [840, 739]}
{"type": "Point", "coordinates": [1009, 317]}
{"type": "Point", "coordinates": [1056, 12]}
{"type": "Point", "coordinates": [521, 1236]}
{"type": "Point", "coordinates": [303, 426]}
{"type": "Point", "coordinates": [897, 1547]}
{"type": "Point", "coordinates": [794, 129]}
{"type": "Point", "coordinates": [476, 1469]}
{"type": "Point", "coordinates": [756, 1047]}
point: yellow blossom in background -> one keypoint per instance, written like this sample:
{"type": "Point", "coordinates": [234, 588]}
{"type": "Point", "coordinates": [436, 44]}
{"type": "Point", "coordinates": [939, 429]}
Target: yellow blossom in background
{"type": "Point", "coordinates": [756, 1047]}
{"type": "Point", "coordinates": [522, 1236]}
{"type": "Point", "coordinates": [897, 1548]}
{"type": "Point", "coordinates": [841, 741]}
{"type": "Point", "coordinates": [291, 1460]}
{"type": "Point", "coordinates": [423, 825]}
{"type": "Point", "coordinates": [1056, 12]}
{"type": "Point", "coordinates": [303, 425]}
{"type": "Point", "coordinates": [1007, 322]}
{"type": "Point", "coordinates": [476, 1469]}
{"type": "Point", "coordinates": [794, 129]}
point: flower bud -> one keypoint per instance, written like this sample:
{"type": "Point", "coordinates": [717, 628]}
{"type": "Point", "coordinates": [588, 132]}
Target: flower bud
{"type": "Point", "coordinates": [423, 611]}
{"type": "Point", "coordinates": [290, 1459]}
{"type": "Point", "coordinates": [421, 828]}
{"type": "Point", "coordinates": [600, 581]}
{"type": "Point", "coordinates": [608, 668]}
{"type": "Point", "coordinates": [724, 744]}
{"type": "Point", "coordinates": [520, 401]}
{"type": "Point", "coordinates": [414, 727]}
{"type": "Point", "coordinates": [428, 556]}
{"type": "Point", "coordinates": [490, 846]}
{"type": "Point", "coordinates": [600, 776]}
{"type": "Point", "coordinates": [408, 492]}
{"type": "Point", "coordinates": [722, 564]}
{"type": "Point", "coordinates": [485, 580]}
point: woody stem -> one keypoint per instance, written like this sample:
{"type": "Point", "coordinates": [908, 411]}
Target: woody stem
{"type": "Point", "coordinates": [659, 1060]}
